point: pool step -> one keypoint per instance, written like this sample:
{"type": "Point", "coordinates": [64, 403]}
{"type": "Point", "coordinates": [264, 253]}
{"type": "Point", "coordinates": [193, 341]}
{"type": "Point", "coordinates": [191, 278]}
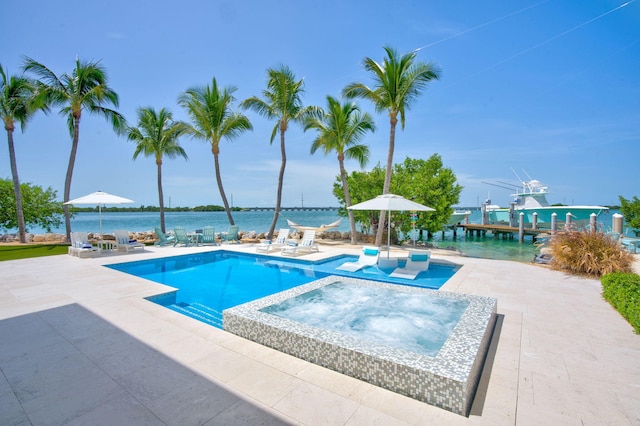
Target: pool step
{"type": "Point", "coordinates": [200, 312]}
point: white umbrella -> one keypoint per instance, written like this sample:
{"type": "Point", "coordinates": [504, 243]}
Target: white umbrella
{"type": "Point", "coordinates": [389, 202]}
{"type": "Point", "coordinates": [100, 198]}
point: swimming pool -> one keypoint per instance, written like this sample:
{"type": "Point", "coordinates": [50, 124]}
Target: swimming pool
{"type": "Point", "coordinates": [207, 283]}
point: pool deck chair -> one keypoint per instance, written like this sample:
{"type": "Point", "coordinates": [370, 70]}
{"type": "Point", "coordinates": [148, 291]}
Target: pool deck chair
{"type": "Point", "coordinates": [163, 239]}
{"type": "Point", "coordinates": [181, 237]}
{"type": "Point", "coordinates": [306, 245]}
{"type": "Point", "coordinates": [630, 244]}
{"type": "Point", "coordinates": [209, 236]}
{"type": "Point", "coordinates": [81, 247]}
{"type": "Point", "coordinates": [280, 241]}
{"type": "Point", "coordinates": [417, 262]}
{"type": "Point", "coordinates": [369, 257]}
{"type": "Point", "coordinates": [124, 241]}
{"type": "Point", "coordinates": [230, 235]}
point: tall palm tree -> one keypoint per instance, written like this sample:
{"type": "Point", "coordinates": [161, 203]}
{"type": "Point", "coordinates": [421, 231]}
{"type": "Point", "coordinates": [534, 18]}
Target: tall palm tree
{"type": "Point", "coordinates": [212, 119]}
{"type": "Point", "coordinates": [15, 95]}
{"type": "Point", "coordinates": [339, 130]}
{"type": "Point", "coordinates": [85, 89]}
{"type": "Point", "coordinates": [398, 81]}
{"type": "Point", "coordinates": [157, 136]}
{"type": "Point", "coordinates": [283, 102]}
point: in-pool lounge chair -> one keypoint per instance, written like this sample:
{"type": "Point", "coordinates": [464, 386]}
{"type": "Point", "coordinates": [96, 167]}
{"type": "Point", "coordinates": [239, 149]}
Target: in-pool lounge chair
{"type": "Point", "coordinates": [306, 245]}
{"type": "Point", "coordinates": [231, 234]}
{"type": "Point", "coordinates": [81, 247]}
{"type": "Point", "coordinates": [124, 241]}
{"type": "Point", "coordinates": [208, 236]}
{"type": "Point", "coordinates": [163, 239]}
{"type": "Point", "coordinates": [280, 241]}
{"type": "Point", "coordinates": [417, 262]}
{"type": "Point", "coordinates": [369, 257]}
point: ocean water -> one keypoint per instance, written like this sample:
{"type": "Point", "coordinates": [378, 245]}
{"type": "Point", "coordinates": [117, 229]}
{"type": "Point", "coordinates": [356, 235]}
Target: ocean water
{"type": "Point", "coordinates": [493, 247]}
{"type": "Point", "coordinates": [484, 247]}
{"type": "Point", "coordinates": [258, 221]}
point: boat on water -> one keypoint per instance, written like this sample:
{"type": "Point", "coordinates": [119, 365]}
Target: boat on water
{"type": "Point", "coordinates": [531, 198]}
{"type": "Point", "coordinates": [458, 216]}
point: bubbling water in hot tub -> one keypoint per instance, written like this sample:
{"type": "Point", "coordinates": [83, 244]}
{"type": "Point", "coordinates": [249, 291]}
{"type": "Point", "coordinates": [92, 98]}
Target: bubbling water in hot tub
{"type": "Point", "coordinates": [415, 322]}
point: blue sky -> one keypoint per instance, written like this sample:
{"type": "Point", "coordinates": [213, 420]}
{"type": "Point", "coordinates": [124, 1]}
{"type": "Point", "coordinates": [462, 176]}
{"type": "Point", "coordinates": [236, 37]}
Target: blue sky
{"type": "Point", "coordinates": [549, 88]}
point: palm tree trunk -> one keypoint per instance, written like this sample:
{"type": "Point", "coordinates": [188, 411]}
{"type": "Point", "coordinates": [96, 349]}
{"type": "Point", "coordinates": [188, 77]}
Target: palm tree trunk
{"type": "Point", "coordinates": [67, 181]}
{"type": "Point", "coordinates": [216, 166]}
{"type": "Point", "coordinates": [387, 176]}
{"type": "Point", "coordinates": [16, 186]}
{"type": "Point", "coordinates": [160, 196]}
{"type": "Point", "coordinates": [347, 200]}
{"type": "Point", "coordinates": [276, 213]}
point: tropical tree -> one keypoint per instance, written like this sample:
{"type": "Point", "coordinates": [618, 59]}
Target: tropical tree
{"type": "Point", "coordinates": [340, 129]}
{"type": "Point", "coordinates": [282, 101]}
{"type": "Point", "coordinates": [630, 209]}
{"type": "Point", "coordinates": [430, 183]}
{"type": "Point", "coordinates": [15, 95]}
{"type": "Point", "coordinates": [85, 89]}
{"type": "Point", "coordinates": [212, 119]}
{"type": "Point", "coordinates": [426, 182]}
{"type": "Point", "coordinates": [398, 81]}
{"type": "Point", "coordinates": [40, 206]}
{"type": "Point", "coordinates": [363, 186]}
{"type": "Point", "coordinates": [157, 136]}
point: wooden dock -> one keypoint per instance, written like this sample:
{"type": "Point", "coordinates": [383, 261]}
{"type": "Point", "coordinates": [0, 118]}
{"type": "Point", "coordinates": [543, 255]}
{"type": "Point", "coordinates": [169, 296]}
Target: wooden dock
{"type": "Point", "coordinates": [503, 231]}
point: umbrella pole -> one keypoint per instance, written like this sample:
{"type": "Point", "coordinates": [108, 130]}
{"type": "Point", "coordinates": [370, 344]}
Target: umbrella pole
{"type": "Point", "coordinates": [389, 235]}
{"type": "Point", "coordinates": [100, 216]}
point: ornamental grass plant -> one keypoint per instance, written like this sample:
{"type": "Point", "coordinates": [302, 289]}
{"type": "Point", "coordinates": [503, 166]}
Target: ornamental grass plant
{"type": "Point", "coordinates": [588, 253]}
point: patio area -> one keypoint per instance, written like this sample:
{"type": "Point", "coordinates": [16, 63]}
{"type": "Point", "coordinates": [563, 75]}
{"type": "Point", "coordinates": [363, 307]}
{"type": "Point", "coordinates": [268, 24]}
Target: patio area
{"type": "Point", "coordinates": [81, 345]}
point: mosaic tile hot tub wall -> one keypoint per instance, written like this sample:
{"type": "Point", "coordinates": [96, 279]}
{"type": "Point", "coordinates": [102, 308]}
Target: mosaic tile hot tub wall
{"type": "Point", "coordinates": [448, 380]}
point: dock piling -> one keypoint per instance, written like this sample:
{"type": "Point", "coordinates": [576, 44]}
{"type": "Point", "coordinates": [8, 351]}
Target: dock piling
{"type": "Point", "coordinates": [521, 228]}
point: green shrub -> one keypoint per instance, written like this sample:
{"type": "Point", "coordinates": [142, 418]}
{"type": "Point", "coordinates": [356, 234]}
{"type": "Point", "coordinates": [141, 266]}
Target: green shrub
{"type": "Point", "coordinates": [622, 291]}
{"type": "Point", "coordinates": [588, 253]}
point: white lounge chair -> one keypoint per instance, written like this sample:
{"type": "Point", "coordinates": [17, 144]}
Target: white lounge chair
{"type": "Point", "coordinates": [417, 262]}
{"type": "Point", "coordinates": [81, 247]}
{"type": "Point", "coordinates": [307, 244]}
{"type": "Point", "coordinates": [280, 241]}
{"type": "Point", "coordinates": [124, 241]}
{"type": "Point", "coordinates": [369, 257]}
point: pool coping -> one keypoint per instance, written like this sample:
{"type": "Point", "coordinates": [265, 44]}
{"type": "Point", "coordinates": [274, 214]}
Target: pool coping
{"type": "Point", "coordinates": [448, 380]}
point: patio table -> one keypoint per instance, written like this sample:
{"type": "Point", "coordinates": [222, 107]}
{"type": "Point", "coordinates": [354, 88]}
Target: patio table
{"type": "Point", "coordinates": [195, 238]}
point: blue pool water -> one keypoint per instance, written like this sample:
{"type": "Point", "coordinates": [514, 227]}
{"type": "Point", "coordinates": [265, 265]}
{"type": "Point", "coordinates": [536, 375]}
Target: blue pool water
{"type": "Point", "coordinates": [207, 283]}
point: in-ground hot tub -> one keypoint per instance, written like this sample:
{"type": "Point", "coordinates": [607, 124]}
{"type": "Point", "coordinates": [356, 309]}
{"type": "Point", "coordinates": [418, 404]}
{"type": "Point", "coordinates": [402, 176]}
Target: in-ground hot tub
{"type": "Point", "coordinates": [430, 345]}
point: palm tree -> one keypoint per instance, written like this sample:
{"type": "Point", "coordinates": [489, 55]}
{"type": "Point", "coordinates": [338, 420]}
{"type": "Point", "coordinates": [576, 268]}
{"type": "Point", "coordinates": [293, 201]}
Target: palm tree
{"type": "Point", "coordinates": [340, 129]}
{"type": "Point", "coordinates": [85, 89]}
{"type": "Point", "coordinates": [15, 95]}
{"type": "Point", "coordinates": [212, 118]}
{"type": "Point", "coordinates": [282, 101]}
{"type": "Point", "coordinates": [157, 136]}
{"type": "Point", "coordinates": [397, 83]}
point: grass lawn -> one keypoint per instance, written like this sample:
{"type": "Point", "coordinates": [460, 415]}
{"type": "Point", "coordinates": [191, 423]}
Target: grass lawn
{"type": "Point", "coordinates": [24, 251]}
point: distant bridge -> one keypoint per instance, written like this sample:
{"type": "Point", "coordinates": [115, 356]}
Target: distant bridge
{"type": "Point", "coordinates": [290, 209]}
